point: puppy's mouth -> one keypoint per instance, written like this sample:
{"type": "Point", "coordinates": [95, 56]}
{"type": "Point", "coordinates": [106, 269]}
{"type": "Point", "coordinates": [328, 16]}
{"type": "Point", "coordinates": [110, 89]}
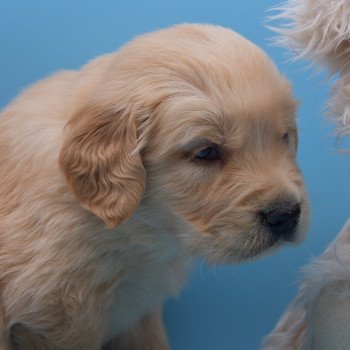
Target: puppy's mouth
{"type": "Point", "coordinates": [250, 246]}
{"type": "Point", "coordinates": [259, 244]}
{"type": "Point", "coordinates": [260, 235]}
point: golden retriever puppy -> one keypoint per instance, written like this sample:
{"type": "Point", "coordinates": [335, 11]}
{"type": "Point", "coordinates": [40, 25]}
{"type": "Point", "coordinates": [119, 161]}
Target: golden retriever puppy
{"type": "Point", "coordinates": [180, 144]}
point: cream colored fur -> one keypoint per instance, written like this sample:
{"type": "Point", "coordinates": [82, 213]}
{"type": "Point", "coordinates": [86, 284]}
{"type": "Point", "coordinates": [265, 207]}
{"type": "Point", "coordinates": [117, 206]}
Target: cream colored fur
{"type": "Point", "coordinates": [103, 201]}
{"type": "Point", "coordinates": [319, 317]}
{"type": "Point", "coordinates": [320, 30]}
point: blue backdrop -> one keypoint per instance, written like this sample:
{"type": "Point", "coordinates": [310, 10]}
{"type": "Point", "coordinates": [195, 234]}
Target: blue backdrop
{"type": "Point", "coordinates": [225, 307]}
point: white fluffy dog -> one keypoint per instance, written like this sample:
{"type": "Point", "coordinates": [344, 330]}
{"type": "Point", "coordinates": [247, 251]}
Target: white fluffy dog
{"type": "Point", "coordinates": [319, 318]}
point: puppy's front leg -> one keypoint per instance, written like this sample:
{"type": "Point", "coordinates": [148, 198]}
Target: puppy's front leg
{"type": "Point", "coordinates": [147, 334]}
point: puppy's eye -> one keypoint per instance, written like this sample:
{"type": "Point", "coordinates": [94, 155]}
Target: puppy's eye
{"type": "Point", "coordinates": [286, 138]}
{"type": "Point", "coordinates": [209, 153]}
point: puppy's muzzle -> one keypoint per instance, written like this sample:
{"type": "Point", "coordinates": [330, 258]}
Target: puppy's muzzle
{"type": "Point", "coordinates": [281, 220]}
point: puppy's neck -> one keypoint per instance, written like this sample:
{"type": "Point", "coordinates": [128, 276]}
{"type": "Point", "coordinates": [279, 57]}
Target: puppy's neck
{"type": "Point", "coordinates": [156, 231]}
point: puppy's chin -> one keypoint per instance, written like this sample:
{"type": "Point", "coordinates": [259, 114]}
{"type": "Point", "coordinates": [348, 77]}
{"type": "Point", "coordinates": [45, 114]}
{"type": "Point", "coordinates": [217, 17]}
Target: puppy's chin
{"type": "Point", "coordinates": [235, 257]}
{"type": "Point", "coordinates": [251, 246]}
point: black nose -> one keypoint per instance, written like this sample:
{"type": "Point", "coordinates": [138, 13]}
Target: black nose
{"type": "Point", "coordinates": [281, 220]}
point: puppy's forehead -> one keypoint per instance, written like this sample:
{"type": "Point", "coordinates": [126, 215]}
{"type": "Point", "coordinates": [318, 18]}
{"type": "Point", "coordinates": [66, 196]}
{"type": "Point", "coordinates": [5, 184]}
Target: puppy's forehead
{"type": "Point", "coordinates": [204, 81]}
{"type": "Point", "coordinates": [231, 119]}
{"type": "Point", "coordinates": [216, 72]}
{"type": "Point", "coordinates": [223, 108]}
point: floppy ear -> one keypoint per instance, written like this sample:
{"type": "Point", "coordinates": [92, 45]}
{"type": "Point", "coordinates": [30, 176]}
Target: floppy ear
{"type": "Point", "coordinates": [101, 162]}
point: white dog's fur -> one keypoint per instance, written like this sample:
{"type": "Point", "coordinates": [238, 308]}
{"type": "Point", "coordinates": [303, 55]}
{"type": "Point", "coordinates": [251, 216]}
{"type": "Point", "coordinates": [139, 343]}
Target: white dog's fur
{"type": "Point", "coordinates": [319, 317]}
{"type": "Point", "coordinates": [118, 143]}
{"type": "Point", "coordinates": [320, 30]}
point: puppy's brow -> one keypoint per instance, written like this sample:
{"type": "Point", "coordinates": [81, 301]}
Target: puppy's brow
{"type": "Point", "coordinates": [197, 143]}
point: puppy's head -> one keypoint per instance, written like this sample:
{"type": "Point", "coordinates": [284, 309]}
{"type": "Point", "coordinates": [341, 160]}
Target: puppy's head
{"type": "Point", "coordinates": [199, 121]}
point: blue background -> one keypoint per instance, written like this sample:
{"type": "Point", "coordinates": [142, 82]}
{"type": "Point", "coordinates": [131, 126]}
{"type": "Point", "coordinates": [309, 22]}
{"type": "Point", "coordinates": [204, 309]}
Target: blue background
{"type": "Point", "coordinates": [224, 307]}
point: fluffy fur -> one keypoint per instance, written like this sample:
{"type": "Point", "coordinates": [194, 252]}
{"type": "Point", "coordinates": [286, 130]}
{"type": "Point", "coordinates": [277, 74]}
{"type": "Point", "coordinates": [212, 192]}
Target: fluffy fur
{"type": "Point", "coordinates": [104, 202]}
{"type": "Point", "coordinates": [319, 316]}
{"type": "Point", "coordinates": [320, 30]}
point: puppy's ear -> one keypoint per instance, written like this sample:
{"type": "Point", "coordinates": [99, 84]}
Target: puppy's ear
{"type": "Point", "coordinates": [102, 164]}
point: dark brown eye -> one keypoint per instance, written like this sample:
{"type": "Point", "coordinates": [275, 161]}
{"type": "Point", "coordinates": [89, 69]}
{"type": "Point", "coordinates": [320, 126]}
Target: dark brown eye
{"type": "Point", "coordinates": [209, 153]}
{"type": "Point", "coordinates": [286, 138]}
